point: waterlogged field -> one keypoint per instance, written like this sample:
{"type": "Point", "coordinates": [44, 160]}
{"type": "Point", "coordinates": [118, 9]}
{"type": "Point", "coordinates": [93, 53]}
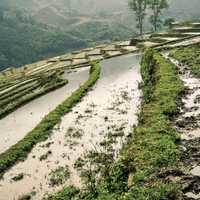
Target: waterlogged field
{"type": "Point", "coordinates": [18, 123]}
{"type": "Point", "coordinates": [108, 111]}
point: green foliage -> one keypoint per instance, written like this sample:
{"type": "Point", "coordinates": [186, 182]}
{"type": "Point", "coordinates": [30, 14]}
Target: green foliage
{"type": "Point", "coordinates": [147, 72]}
{"type": "Point", "coordinates": [161, 192]}
{"type": "Point", "coordinates": [59, 176]}
{"type": "Point", "coordinates": [189, 56]}
{"type": "Point", "coordinates": [18, 177]}
{"type": "Point", "coordinates": [23, 40]}
{"type": "Point", "coordinates": [41, 132]}
{"type": "Point", "coordinates": [27, 196]}
{"type": "Point", "coordinates": [153, 147]}
{"type": "Point", "coordinates": [139, 8]}
{"type": "Point", "coordinates": [67, 194]}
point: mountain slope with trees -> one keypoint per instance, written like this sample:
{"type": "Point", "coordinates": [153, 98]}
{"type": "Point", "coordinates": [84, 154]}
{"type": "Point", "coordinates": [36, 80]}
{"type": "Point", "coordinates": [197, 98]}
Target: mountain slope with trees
{"type": "Point", "coordinates": [33, 30]}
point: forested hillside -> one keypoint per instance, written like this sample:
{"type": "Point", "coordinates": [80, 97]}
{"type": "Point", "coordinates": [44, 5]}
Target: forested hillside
{"type": "Point", "coordinates": [23, 40]}
{"type": "Point", "coordinates": [35, 29]}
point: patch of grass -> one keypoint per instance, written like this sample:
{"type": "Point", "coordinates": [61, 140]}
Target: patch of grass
{"type": "Point", "coordinates": [74, 132]}
{"type": "Point", "coordinates": [45, 156]}
{"type": "Point", "coordinates": [79, 163]}
{"type": "Point", "coordinates": [41, 132]}
{"type": "Point", "coordinates": [59, 176]}
{"type": "Point", "coordinates": [67, 194]}
{"type": "Point", "coordinates": [27, 196]}
{"type": "Point", "coordinates": [189, 56]}
{"type": "Point", "coordinates": [153, 148]}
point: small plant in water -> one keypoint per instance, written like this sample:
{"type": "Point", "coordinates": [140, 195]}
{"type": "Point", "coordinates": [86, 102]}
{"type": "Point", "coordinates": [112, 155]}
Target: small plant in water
{"type": "Point", "coordinates": [45, 156]}
{"type": "Point", "coordinates": [79, 163]}
{"type": "Point", "coordinates": [18, 177]}
{"type": "Point", "coordinates": [59, 176]}
{"type": "Point", "coordinates": [27, 196]}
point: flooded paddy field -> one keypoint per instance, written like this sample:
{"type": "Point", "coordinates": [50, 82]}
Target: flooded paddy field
{"type": "Point", "coordinates": [18, 123]}
{"type": "Point", "coordinates": [109, 109]}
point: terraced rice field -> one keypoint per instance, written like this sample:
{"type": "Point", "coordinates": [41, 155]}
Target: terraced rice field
{"type": "Point", "coordinates": [111, 105]}
{"type": "Point", "coordinates": [95, 122]}
{"type": "Point", "coordinates": [25, 118]}
{"type": "Point", "coordinates": [15, 96]}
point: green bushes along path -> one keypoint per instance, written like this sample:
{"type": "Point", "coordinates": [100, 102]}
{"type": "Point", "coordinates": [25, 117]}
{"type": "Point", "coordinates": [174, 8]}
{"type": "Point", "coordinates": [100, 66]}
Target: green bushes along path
{"type": "Point", "coordinates": [42, 131]}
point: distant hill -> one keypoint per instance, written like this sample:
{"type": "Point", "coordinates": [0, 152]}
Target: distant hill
{"type": "Point", "coordinates": [23, 40]}
{"type": "Point", "coordinates": [35, 29]}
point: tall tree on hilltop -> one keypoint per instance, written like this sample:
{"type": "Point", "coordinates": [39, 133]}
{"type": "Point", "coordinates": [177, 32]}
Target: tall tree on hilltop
{"type": "Point", "coordinates": [139, 8]}
{"type": "Point", "coordinates": [157, 6]}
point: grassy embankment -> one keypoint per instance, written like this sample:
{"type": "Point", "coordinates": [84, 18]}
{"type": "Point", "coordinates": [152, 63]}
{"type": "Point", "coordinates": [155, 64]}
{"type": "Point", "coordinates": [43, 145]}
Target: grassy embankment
{"type": "Point", "coordinates": [189, 56]}
{"type": "Point", "coordinates": [42, 131]}
{"type": "Point", "coordinates": [151, 153]}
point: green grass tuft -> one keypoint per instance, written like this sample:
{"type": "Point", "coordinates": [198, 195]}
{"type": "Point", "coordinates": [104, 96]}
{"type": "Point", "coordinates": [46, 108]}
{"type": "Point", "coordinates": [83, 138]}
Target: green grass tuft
{"type": "Point", "coordinates": [189, 56]}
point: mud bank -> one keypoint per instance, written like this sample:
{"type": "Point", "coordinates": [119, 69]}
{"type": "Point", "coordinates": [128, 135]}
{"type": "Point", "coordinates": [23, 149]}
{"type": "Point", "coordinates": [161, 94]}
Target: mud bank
{"type": "Point", "coordinates": [112, 105]}
{"type": "Point", "coordinates": [188, 124]}
{"type": "Point", "coordinates": [17, 124]}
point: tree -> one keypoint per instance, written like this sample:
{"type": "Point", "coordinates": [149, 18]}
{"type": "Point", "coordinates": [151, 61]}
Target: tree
{"type": "Point", "coordinates": [157, 6]}
{"type": "Point", "coordinates": [139, 7]}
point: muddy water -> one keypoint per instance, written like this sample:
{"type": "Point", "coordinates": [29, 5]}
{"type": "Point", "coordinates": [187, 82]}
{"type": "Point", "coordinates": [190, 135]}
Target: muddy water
{"type": "Point", "coordinates": [188, 124]}
{"type": "Point", "coordinates": [17, 124]}
{"type": "Point", "coordinates": [112, 104]}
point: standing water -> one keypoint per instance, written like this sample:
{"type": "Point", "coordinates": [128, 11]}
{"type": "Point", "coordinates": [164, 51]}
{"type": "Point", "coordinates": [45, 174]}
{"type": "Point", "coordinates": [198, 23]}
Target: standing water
{"type": "Point", "coordinates": [17, 124]}
{"type": "Point", "coordinates": [112, 104]}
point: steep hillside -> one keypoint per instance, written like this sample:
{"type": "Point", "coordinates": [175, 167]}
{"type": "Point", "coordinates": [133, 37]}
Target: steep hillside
{"type": "Point", "coordinates": [35, 29]}
{"type": "Point", "coordinates": [22, 40]}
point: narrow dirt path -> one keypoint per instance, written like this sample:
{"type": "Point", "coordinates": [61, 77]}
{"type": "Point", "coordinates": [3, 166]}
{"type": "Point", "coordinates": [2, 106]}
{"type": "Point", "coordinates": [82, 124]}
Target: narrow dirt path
{"type": "Point", "coordinates": [188, 124]}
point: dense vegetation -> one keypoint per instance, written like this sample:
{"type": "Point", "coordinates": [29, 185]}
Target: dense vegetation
{"type": "Point", "coordinates": [23, 40]}
{"type": "Point", "coordinates": [41, 132]}
{"type": "Point", "coordinates": [189, 56]}
{"type": "Point", "coordinates": [141, 171]}
{"type": "Point", "coordinates": [32, 30]}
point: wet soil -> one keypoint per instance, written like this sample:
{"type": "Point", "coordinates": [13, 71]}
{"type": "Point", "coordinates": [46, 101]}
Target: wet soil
{"type": "Point", "coordinates": [188, 124]}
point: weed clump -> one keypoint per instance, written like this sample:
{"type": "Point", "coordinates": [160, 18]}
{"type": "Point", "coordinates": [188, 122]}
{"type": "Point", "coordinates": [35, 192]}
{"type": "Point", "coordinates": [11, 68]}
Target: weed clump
{"type": "Point", "coordinates": [59, 176]}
